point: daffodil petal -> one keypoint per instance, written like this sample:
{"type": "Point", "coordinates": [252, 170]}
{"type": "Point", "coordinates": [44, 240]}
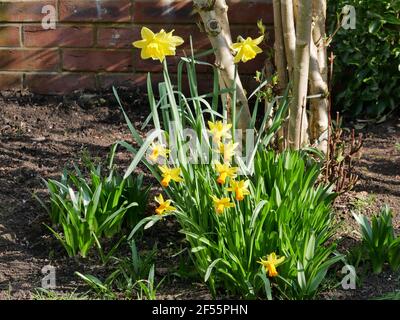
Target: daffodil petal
{"type": "Point", "coordinates": [140, 44]}
{"type": "Point", "coordinates": [258, 40]}
{"type": "Point", "coordinates": [146, 33]}
{"type": "Point", "coordinates": [238, 57]}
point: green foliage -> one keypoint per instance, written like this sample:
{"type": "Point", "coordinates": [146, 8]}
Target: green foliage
{"type": "Point", "coordinates": [133, 277]}
{"type": "Point", "coordinates": [367, 64]}
{"type": "Point", "coordinates": [285, 212]}
{"type": "Point", "coordinates": [395, 295]}
{"type": "Point", "coordinates": [44, 294]}
{"type": "Point", "coordinates": [379, 240]}
{"type": "Point", "coordinates": [86, 210]}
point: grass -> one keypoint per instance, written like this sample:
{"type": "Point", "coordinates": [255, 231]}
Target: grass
{"type": "Point", "coordinates": [44, 294]}
{"type": "Point", "coordinates": [360, 204]}
{"type": "Point", "coordinates": [397, 147]}
{"type": "Point", "coordinates": [395, 295]}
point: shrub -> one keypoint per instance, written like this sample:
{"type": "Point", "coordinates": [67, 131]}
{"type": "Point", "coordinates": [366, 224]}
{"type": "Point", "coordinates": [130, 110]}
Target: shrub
{"type": "Point", "coordinates": [379, 241]}
{"type": "Point", "coordinates": [271, 224]}
{"type": "Point", "coordinates": [86, 210]}
{"type": "Point", "coordinates": [367, 64]}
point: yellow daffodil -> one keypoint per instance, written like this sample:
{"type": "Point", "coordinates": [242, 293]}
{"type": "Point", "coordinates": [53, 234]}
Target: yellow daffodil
{"type": "Point", "coordinates": [247, 49]}
{"type": "Point", "coordinates": [271, 263]}
{"type": "Point", "coordinates": [227, 150]}
{"type": "Point", "coordinates": [157, 45]}
{"type": "Point", "coordinates": [219, 130]}
{"type": "Point", "coordinates": [240, 188]}
{"type": "Point", "coordinates": [221, 204]}
{"type": "Point", "coordinates": [169, 174]}
{"type": "Point", "coordinates": [163, 205]}
{"type": "Point", "coordinates": [225, 171]}
{"type": "Point", "coordinates": [158, 150]}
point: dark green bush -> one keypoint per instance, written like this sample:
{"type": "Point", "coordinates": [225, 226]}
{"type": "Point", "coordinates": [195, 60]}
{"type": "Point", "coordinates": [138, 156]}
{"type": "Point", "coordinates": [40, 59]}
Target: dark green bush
{"type": "Point", "coordinates": [367, 64]}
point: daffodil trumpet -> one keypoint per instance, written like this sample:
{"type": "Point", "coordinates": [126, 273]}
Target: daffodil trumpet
{"type": "Point", "coordinates": [225, 170]}
{"type": "Point", "coordinates": [239, 188]}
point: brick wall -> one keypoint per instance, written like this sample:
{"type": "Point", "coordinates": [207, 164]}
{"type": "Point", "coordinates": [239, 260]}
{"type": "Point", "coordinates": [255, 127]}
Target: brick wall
{"type": "Point", "coordinates": [91, 45]}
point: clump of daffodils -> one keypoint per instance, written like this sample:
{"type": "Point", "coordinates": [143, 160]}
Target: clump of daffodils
{"type": "Point", "coordinates": [225, 171]}
{"type": "Point", "coordinates": [158, 46]}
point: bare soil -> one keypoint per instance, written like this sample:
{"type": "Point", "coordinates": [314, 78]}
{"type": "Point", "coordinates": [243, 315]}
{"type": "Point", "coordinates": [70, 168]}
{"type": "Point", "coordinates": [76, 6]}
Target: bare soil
{"type": "Point", "coordinates": [39, 136]}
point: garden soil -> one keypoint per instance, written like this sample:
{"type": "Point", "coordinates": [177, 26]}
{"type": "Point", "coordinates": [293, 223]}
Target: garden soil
{"type": "Point", "coordinates": [40, 135]}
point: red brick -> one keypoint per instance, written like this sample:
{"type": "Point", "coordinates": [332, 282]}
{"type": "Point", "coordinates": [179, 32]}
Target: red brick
{"type": "Point", "coordinates": [247, 12]}
{"type": "Point", "coordinates": [10, 81]}
{"type": "Point", "coordinates": [95, 10]}
{"type": "Point", "coordinates": [59, 83]}
{"type": "Point", "coordinates": [151, 65]}
{"type": "Point", "coordinates": [108, 37]}
{"type": "Point", "coordinates": [9, 36]}
{"type": "Point", "coordinates": [205, 81]}
{"type": "Point", "coordinates": [23, 11]}
{"type": "Point", "coordinates": [99, 60]}
{"type": "Point", "coordinates": [108, 80]}
{"type": "Point", "coordinates": [62, 36]}
{"type": "Point", "coordinates": [29, 59]}
{"type": "Point", "coordinates": [156, 11]}
{"type": "Point", "coordinates": [250, 67]}
{"type": "Point", "coordinates": [199, 39]}
{"type": "Point", "coordinates": [122, 37]}
{"type": "Point", "coordinates": [252, 31]}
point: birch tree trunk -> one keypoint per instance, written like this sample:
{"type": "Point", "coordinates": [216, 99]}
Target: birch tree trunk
{"type": "Point", "coordinates": [281, 65]}
{"type": "Point", "coordinates": [298, 123]}
{"type": "Point", "coordinates": [319, 125]}
{"type": "Point", "coordinates": [300, 58]}
{"type": "Point", "coordinates": [289, 33]}
{"type": "Point", "coordinates": [279, 46]}
{"type": "Point", "coordinates": [215, 18]}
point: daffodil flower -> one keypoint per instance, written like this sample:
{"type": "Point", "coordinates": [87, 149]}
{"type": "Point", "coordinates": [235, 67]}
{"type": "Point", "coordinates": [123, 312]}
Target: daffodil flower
{"type": "Point", "coordinates": [158, 150]}
{"type": "Point", "coordinates": [221, 204]}
{"type": "Point", "coordinates": [157, 45]}
{"type": "Point", "coordinates": [227, 150]}
{"type": "Point", "coordinates": [219, 130]}
{"type": "Point", "coordinates": [169, 174]}
{"type": "Point", "coordinates": [164, 206]}
{"type": "Point", "coordinates": [271, 263]}
{"type": "Point", "coordinates": [247, 49]}
{"type": "Point", "coordinates": [240, 188]}
{"type": "Point", "coordinates": [225, 171]}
